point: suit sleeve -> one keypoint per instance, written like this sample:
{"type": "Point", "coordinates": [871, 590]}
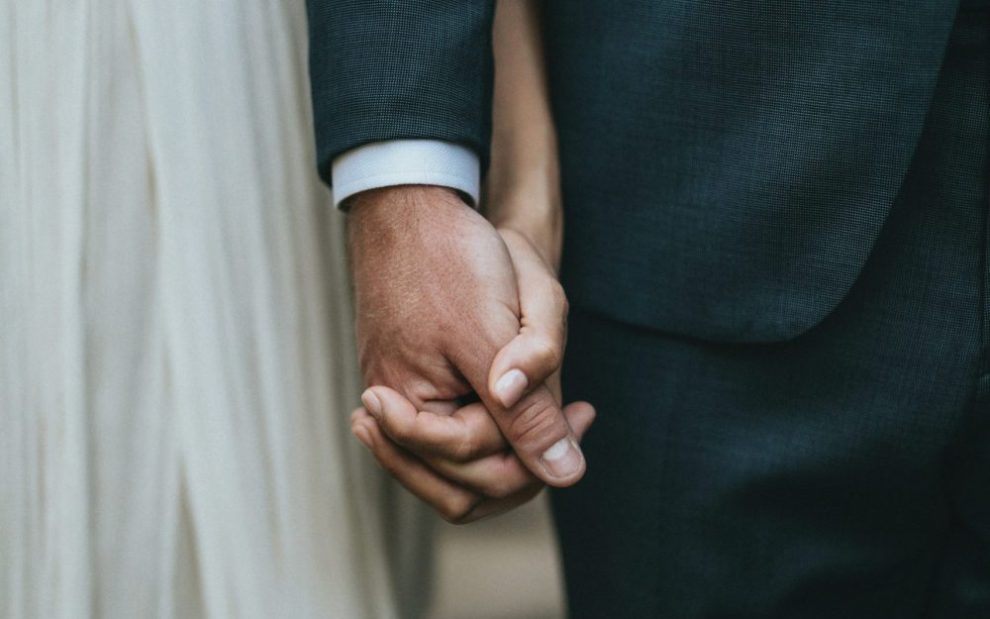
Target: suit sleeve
{"type": "Point", "coordinates": [400, 69]}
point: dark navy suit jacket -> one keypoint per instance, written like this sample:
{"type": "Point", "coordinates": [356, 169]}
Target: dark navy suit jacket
{"type": "Point", "coordinates": [726, 165]}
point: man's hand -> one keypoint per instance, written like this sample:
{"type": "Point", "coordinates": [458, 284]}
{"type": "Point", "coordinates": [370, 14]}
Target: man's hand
{"type": "Point", "coordinates": [437, 299]}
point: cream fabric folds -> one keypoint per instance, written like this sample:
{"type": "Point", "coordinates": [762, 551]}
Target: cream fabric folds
{"type": "Point", "coordinates": [176, 361]}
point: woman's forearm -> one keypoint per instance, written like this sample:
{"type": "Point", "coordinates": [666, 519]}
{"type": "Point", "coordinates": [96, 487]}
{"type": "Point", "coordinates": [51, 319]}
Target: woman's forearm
{"type": "Point", "coordinates": [523, 185]}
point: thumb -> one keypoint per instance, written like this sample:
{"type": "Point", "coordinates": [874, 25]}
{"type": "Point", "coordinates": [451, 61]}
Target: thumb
{"type": "Point", "coordinates": [541, 436]}
{"type": "Point", "coordinates": [534, 426]}
{"type": "Point", "coordinates": [544, 438]}
{"type": "Point", "coordinates": [536, 352]}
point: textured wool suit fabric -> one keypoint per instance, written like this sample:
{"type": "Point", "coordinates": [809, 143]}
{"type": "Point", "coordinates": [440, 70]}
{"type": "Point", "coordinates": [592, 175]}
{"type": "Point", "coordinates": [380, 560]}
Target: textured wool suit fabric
{"type": "Point", "coordinates": [843, 473]}
{"type": "Point", "coordinates": [776, 252]}
{"type": "Point", "coordinates": [729, 148]}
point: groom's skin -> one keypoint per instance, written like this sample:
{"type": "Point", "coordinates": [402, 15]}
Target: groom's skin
{"type": "Point", "coordinates": [448, 306]}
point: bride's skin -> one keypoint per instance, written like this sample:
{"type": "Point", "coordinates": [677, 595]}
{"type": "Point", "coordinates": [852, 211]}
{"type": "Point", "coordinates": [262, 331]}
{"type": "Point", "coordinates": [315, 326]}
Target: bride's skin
{"type": "Point", "coordinates": [522, 189]}
{"type": "Point", "coordinates": [461, 464]}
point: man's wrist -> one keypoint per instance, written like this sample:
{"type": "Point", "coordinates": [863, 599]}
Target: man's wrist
{"type": "Point", "coordinates": [392, 215]}
{"type": "Point", "coordinates": [401, 198]}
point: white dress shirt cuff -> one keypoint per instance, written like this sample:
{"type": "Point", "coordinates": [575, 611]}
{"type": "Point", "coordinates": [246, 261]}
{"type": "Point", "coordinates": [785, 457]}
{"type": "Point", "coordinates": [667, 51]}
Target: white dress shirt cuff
{"type": "Point", "coordinates": [406, 162]}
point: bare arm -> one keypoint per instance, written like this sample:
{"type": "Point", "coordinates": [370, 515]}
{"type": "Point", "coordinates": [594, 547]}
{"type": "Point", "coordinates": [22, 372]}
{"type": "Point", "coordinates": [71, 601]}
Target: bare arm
{"type": "Point", "coordinates": [522, 190]}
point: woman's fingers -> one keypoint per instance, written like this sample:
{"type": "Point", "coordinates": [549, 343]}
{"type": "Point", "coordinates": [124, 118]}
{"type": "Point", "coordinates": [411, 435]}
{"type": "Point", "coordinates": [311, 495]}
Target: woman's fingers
{"type": "Point", "coordinates": [453, 502]}
{"type": "Point", "coordinates": [536, 352]}
{"type": "Point", "coordinates": [491, 507]}
{"type": "Point", "coordinates": [498, 476]}
{"type": "Point", "coordinates": [466, 434]}
{"type": "Point", "coordinates": [461, 492]}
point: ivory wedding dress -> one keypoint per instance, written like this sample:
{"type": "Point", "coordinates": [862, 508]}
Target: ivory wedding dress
{"type": "Point", "coordinates": [176, 365]}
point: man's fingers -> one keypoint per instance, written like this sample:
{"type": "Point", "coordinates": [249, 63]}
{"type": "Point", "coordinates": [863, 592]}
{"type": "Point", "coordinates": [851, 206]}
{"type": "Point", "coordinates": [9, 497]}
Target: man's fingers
{"type": "Point", "coordinates": [502, 475]}
{"type": "Point", "coordinates": [580, 416]}
{"type": "Point", "coordinates": [534, 426]}
{"type": "Point", "coordinates": [453, 502]}
{"type": "Point", "coordinates": [542, 438]}
{"type": "Point", "coordinates": [537, 351]}
{"type": "Point", "coordinates": [467, 434]}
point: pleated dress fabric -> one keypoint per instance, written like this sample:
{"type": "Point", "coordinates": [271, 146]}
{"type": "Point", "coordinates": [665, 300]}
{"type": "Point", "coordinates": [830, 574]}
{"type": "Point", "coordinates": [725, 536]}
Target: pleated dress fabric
{"type": "Point", "coordinates": [176, 356]}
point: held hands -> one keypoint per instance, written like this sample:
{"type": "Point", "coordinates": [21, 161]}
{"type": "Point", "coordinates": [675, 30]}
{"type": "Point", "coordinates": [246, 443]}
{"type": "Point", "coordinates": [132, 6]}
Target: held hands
{"type": "Point", "coordinates": [449, 307]}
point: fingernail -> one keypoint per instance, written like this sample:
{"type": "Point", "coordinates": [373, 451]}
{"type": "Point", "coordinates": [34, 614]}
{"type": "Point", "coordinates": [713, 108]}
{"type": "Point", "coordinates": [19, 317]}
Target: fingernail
{"type": "Point", "coordinates": [563, 459]}
{"type": "Point", "coordinates": [372, 403]}
{"type": "Point", "coordinates": [361, 433]}
{"type": "Point", "coordinates": [510, 387]}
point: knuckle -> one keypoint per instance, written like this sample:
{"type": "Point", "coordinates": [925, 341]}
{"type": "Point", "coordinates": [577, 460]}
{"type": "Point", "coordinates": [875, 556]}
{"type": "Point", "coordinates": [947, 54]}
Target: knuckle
{"type": "Point", "coordinates": [502, 489]}
{"type": "Point", "coordinates": [560, 299]}
{"type": "Point", "coordinates": [547, 351]}
{"type": "Point", "coordinates": [399, 431]}
{"type": "Point", "coordinates": [460, 519]}
{"type": "Point", "coordinates": [455, 508]}
{"type": "Point", "coordinates": [464, 449]}
{"type": "Point", "coordinates": [559, 296]}
{"type": "Point", "coordinates": [533, 423]}
{"type": "Point", "coordinates": [497, 488]}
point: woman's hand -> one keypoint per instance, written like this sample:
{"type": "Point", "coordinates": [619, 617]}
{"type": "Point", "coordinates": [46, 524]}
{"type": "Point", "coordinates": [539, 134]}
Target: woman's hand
{"type": "Point", "coordinates": [459, 464]}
